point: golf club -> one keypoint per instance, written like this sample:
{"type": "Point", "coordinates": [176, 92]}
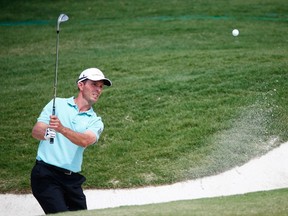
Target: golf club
{"type": "Point", "coordinates": [61, 18]}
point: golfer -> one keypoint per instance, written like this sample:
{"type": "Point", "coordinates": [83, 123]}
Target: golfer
{"type": "Point", "coordinates": [55, 178]}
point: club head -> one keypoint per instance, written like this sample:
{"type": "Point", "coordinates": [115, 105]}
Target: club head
{"type": "Point", "coordinates": [61, 18]}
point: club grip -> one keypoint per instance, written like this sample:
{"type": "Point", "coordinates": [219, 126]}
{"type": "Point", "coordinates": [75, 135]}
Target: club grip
{"type": "Point", "coordinates": [53, 113]}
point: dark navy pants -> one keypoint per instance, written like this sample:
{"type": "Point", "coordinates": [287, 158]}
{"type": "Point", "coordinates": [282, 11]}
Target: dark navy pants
{"type": "Point", "coordinates": [57, 190]}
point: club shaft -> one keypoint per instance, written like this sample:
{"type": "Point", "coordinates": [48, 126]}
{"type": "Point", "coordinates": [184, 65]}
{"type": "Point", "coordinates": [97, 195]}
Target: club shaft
{"type": "Point", "coordinates": [55, 79]}
{"type": "Point", "coordinates": [61, 18]}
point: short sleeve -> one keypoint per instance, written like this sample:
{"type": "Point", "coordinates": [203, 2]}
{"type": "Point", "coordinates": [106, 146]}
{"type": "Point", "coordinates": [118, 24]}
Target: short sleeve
{"type": "Point", "coordinates": [96, 126]}
{"type": "Point", "coordinates": [45, 113]}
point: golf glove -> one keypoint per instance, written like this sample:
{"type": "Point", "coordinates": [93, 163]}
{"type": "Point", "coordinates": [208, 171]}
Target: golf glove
{"type": "Point", "coordinates": [49, 133]}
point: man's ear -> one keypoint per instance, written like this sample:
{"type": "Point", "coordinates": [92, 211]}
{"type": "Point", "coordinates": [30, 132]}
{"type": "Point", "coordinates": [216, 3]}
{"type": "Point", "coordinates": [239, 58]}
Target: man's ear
{"type": "Point", "coordinates": [80, 85]}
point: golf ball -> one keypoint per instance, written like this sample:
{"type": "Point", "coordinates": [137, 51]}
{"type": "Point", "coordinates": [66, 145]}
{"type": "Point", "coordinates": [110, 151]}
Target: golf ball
{"type": "Point", "coordinates": [235, 32]}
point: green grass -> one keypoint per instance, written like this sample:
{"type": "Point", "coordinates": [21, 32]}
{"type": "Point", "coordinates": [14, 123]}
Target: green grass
{"type": "Point", "coordinates": [188, 99]}
{"type": "Point", "coordinates": [260, 203]}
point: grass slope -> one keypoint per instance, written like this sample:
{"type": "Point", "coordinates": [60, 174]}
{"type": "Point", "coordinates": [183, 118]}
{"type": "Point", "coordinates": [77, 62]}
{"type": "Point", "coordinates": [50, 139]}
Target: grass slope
{"type": "Point", "coordinates": [260, 203]}
{"type": "Point", "coordinates": [188, 98]}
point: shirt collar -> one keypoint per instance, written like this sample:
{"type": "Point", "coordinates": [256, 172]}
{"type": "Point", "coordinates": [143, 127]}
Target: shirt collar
{"type": "Point", "coordinates": [72, 103]}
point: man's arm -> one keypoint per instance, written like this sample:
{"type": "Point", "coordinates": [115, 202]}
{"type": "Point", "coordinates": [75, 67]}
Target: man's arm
{"type": "Point", "coordinates": [81, 139]}
{"type": "Point", "coordinates": [39, 130]}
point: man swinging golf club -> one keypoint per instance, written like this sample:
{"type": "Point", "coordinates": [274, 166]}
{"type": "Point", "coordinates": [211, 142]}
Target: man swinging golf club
{"type": "Point", "coordinates": [55, 178]}
{"type": "Point", "coordinates": [65, 127]}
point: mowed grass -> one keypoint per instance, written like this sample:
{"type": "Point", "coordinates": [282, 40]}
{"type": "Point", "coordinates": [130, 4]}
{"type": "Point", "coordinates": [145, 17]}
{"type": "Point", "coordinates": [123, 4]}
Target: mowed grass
{"type": "Point", "coordinates": [260, 203]}
{"type": "Point", "coordinates": [188, 99]}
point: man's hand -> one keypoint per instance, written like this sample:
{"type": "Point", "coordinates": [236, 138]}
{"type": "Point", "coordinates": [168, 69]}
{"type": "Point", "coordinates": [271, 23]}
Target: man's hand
{"type": "Point", "coordinates": [49, 133]}
{"type": "Point", "coordinates": [81, 139]}
{"type": "Point", "coordinates": [56, 124]}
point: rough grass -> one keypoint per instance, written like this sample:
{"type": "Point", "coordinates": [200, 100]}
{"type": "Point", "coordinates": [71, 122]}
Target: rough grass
{"type": "Point", "coordinates": [260, 203]}
{"type": "Point", "coordinates": [188, 98]}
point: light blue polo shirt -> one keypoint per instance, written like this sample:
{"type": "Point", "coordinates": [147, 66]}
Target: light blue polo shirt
{"type": "Point", "coordinates": [63, 153]}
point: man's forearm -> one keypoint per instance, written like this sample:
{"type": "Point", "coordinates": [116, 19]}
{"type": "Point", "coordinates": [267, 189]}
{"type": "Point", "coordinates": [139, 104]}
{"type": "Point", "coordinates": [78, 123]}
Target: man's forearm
{"type": "Point", "coordinates": [81, 139]}
{"type": "Point", "coordinates": [38, 130]}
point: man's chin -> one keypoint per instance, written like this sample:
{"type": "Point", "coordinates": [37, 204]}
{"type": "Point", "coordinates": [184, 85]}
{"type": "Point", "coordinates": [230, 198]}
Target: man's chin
{"type": "Point", "coordinates": [94, 99]}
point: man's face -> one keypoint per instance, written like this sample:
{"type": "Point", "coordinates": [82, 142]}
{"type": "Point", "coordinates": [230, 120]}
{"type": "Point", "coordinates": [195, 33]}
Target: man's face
{"type": "Point", "coordinates": [91, 90]}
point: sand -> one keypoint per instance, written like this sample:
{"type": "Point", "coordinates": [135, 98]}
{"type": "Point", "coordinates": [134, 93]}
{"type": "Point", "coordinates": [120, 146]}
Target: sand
{"type": "Point", "coordinates": [267, 172]}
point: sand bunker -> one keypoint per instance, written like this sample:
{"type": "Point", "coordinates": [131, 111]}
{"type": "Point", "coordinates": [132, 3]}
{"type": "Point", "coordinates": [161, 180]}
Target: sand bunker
{"type": "Point", "coordinates": [260, 174]}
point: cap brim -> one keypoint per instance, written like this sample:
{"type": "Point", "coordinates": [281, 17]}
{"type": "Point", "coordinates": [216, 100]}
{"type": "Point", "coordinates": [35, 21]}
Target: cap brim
{"type": "Point", "coordinates": [106, 81]}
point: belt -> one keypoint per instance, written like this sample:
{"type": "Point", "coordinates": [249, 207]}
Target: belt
{"type": "Point", "coordinates": [59, 169]}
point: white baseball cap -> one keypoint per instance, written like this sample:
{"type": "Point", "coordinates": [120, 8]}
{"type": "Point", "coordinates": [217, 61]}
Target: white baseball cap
{"type": "Point", "coordinates": [93, 74]}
